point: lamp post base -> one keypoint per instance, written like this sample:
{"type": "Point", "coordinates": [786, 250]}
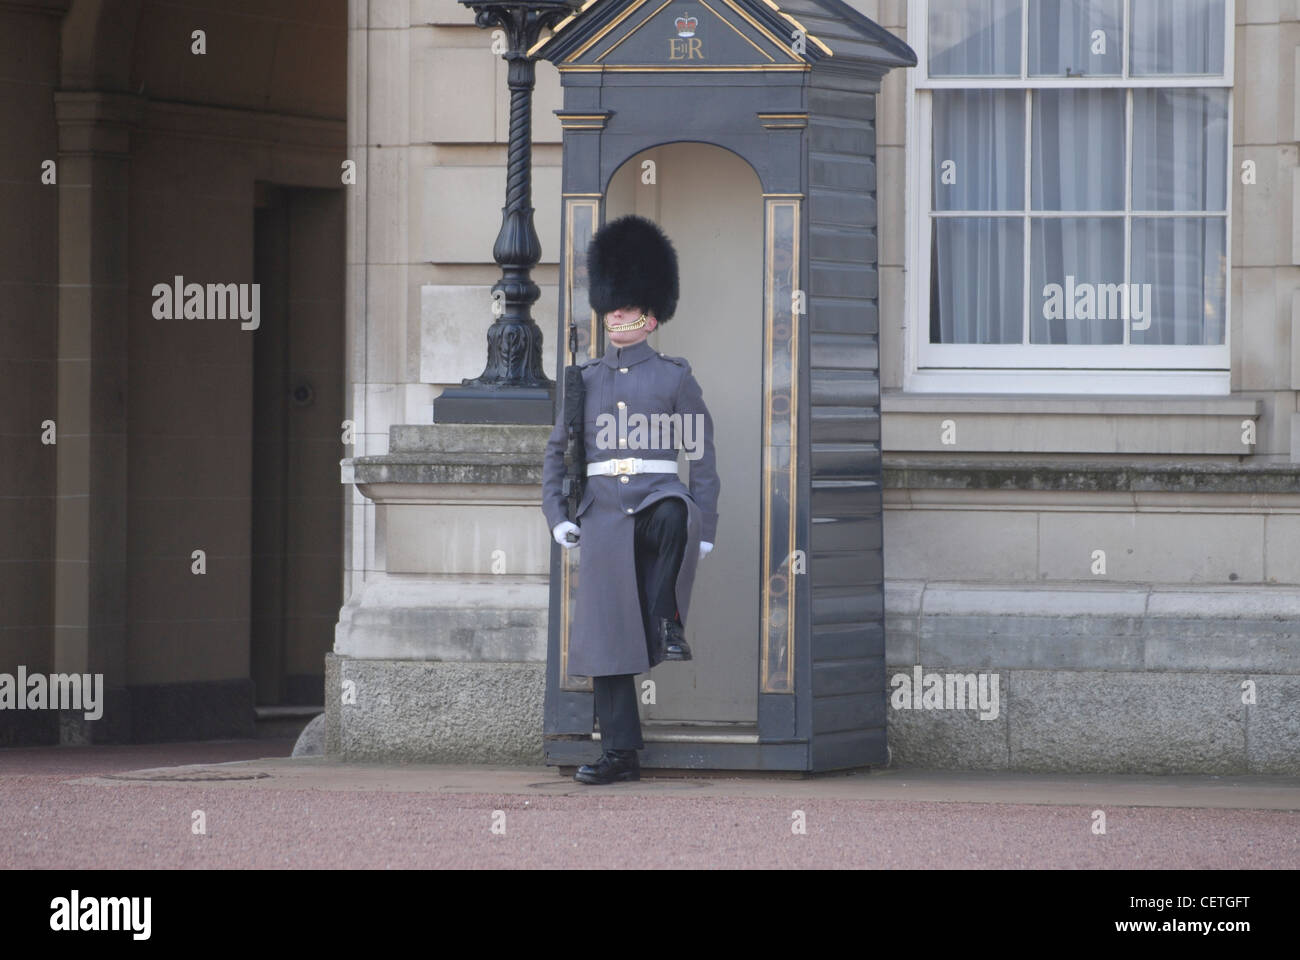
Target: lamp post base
{"type": "Point", "coordinates": [470, 404]}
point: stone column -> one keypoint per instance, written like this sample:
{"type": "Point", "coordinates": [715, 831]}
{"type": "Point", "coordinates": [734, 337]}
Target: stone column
{"type": "Point", "coordinates": [90, 570]}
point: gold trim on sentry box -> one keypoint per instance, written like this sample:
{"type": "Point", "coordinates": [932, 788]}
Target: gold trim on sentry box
{"type": "Point", "coordinates": [648, 17]}
{"type": "Point", "coordinates": [789, 51]}
{"type": "Point", "coordinates": [572, 120]}
{"type": "Point", "coordinates": [769, 682]}
{"type": "Point", "coordinates": [555, 30]}
{"type": "Point", "coordinates": [783, 121]}
{"type": "Point", "coordinates": [593, 40]}
{"type": "Point", "coordinates": [739, 33]}
{"type": "Point", "coordinates": [771, 4]}
{"type": "Point", "coordinates": [589, 204]}
{"type": "Point", "coordinates": [765, 521]}
{"type": "Point", "coordinates": [794, 434]}
{"type": "Point", "coordinates": [781, 45]}
{"type": "Point", "coordinates": [599, 67]}
{"type": "Point", "coordinates": [808, 34]}
{"type": "Point", "coordinates": [563, 24]}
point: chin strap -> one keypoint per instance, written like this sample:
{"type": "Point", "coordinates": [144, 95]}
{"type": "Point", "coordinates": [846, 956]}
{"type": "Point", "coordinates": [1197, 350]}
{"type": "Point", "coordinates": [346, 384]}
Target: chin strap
{"type": "Point", "coordinates": [636, 324]}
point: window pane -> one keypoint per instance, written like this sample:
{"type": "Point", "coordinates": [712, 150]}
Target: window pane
{"type": "Point", "coordinates": [974, 38]}
{"type": "Point", "coordinates": [1076, 38]}
{"type": "Point", "coordinates": [1180, 149]}
{"type": "Point", "coordinates": [1180, 274]}
{"type": "Point", "coordinates": [1076, 281]}
{"type": "Point", "coordinates": [979, 150]}
{"type": "Point", "coordinates": [1176, 37]}
{"type": "Point", "coordinates": [977, 280]}
{"type": "Point", "coordinates": [1078, 150]}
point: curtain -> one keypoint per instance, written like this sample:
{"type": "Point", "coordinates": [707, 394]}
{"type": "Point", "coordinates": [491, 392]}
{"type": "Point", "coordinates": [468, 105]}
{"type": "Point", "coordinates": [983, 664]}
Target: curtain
{"type": "Point", "coordinates": [1185, 262]}
{"type": "Point", "coordinates": [977, 288]}
{"type": "Point", "coordinates": [1180, 140]}
{"type": "Point", "coordinates": [1076, 280]}
{"type": "Point", "coordinates": [974, 38]}
{"type": "Point", "coordinates": [1061, 38]}
{"type": "Point", "coordinates": [1078, 150]}
{"type": "Point", "coordinates": [1078, 154]}
{"type": "Point", "coordinates": [979, 150]}
{"type": "Point", "coordinates": [1180, 149]}
{"type": "Point", "coordinates": [1077, 166]}
{"type": "Point", "coordinates": [978, 263]}
{"type": "Point", "coordinates": [1176, 37]}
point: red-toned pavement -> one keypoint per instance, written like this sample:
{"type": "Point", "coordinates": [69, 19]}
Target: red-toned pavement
{"type": "Point", "coordinates": [134, 806]}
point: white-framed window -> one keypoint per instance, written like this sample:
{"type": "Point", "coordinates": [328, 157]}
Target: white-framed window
{"type": "Point", "coordinates": [1070, 196]}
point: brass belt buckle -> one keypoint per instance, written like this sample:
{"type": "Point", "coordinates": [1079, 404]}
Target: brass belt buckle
{"type": "Point", "coordinates": [624, 466]}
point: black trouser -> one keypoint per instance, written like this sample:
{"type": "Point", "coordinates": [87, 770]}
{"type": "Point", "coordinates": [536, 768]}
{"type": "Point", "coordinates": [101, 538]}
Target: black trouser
{"type": "Point", "coordinates": [660, 544]}
{"type": "Point", "coordinates": [620, 724]}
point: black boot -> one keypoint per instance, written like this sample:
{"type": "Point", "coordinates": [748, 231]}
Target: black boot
{"type": "Point", "coordinates": [673, 639]}
{"type": "Point", "coordinates": [612, 767]}
{"type": "Point", "coordinates": [587, 769]}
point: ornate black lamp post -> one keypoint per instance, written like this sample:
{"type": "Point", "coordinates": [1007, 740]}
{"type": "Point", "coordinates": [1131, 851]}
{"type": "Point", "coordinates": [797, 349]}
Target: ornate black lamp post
{"type": "Point", "coordinates": [513, 388]}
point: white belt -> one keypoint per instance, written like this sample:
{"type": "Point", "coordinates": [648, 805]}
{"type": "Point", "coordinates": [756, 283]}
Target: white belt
{"type": "Point", "coordinates": [613, 468]}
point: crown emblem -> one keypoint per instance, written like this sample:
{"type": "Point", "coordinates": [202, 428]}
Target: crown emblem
{"type": "Point", "coordinates": [686, 26]}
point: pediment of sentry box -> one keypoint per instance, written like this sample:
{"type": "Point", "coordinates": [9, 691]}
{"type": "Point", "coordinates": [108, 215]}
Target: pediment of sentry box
{"type": "Point", "coordinates": [685, 33]}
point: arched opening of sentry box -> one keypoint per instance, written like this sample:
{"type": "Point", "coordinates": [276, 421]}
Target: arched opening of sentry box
{"type": "Point", "coordinates": [710, 202]}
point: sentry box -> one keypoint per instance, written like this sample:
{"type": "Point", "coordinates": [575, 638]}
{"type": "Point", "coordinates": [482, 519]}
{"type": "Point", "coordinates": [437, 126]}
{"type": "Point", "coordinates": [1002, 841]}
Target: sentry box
{"type": "Point", "coordinates": [747, 130]}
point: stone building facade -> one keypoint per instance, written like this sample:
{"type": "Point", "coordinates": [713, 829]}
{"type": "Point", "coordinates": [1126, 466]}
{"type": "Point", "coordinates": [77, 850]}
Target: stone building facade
{"type": "Point", "coordinates": [1106, 515]}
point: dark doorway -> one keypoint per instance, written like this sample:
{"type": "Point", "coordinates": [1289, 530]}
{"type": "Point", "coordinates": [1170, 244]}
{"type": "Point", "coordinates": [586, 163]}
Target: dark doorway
{"type": "Point", "coordinates": [298, 409]}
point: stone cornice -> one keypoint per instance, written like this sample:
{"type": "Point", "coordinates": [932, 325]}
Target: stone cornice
{"type": "Point", "coordinates": [495, 455]}
{"type": "Point", "coordinates": [200, 121]}
{"type": "Point", "coordinates": [895, 401]}
{"type": "Point", "coordinates": [936, 473]}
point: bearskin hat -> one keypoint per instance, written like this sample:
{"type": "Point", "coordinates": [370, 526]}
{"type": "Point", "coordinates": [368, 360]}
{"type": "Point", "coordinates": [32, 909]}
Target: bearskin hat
{"type": "Point", "coordinates": [632, 263]}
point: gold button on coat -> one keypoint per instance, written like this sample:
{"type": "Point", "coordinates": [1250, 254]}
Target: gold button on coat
{"type": "Point", "coordinates": [622, 479]}
{"type": "Point", "coordinates": [622, 369]}
{"type": "Point", "coordinates": [621, 404]}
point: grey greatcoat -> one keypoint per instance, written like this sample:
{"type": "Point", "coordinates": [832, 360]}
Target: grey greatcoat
{"type": "Point", "coordinates": [608, 634]}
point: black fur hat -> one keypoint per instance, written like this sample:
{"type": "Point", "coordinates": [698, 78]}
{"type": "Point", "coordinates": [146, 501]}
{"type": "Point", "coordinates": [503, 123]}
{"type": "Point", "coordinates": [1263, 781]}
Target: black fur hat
{"type": "Point", "coordinates": [632, 263]}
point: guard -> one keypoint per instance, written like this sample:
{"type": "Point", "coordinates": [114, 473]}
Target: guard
{"type": "Point", "coordinates": [641, 530]}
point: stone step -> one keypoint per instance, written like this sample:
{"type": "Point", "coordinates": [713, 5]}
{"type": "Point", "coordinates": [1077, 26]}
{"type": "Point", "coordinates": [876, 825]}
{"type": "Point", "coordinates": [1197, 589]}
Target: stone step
{"type": "Point", "coordinates": [280, 722]}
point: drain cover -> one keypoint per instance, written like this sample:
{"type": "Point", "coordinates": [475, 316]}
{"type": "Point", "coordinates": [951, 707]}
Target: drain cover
{"type": "Point", "coordinates": [645, 783]}
{"type": "Point", "coordinates": [181, 775]}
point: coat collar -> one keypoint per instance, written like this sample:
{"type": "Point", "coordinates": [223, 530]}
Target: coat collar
{"type": "Point", "coordinates": [616, 357]}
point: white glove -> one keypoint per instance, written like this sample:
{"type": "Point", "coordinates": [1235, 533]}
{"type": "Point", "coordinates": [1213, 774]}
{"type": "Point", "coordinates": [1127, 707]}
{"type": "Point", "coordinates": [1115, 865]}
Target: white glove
{"type": "Point", "coordinates": [561, 529]}
{"type": "Point", "coordinates": [705, 547]}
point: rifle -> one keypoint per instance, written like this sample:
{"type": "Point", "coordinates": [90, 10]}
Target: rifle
{"type": "Point", "coordinates": [575, 452]}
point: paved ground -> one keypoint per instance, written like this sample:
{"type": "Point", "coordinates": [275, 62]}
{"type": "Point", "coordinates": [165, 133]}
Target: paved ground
{"type": "Point", "coordinates": [135, 806]}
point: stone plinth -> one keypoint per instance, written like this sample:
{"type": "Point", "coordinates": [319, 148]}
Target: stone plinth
{"type": "Point", "coordinates": [1140, 617]}
{"type": "Point", "coordinates": [440, 654]}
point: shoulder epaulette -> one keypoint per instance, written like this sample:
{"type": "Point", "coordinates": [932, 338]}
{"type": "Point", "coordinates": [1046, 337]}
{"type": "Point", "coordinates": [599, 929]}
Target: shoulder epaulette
{"type": "Point", "coordinates": [680, 361]}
